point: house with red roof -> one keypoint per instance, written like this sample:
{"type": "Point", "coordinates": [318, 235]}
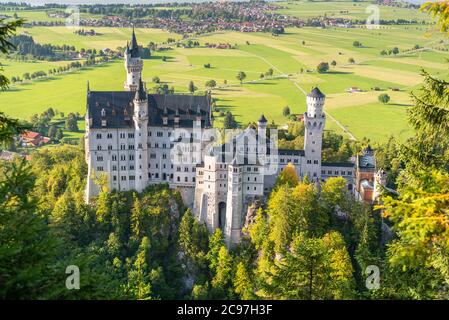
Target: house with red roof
{"type": "Point", "coordinates": [33, 139]}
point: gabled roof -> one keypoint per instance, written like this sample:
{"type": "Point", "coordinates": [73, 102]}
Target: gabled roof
{"type": "Point", "coordinates": [119, 109]}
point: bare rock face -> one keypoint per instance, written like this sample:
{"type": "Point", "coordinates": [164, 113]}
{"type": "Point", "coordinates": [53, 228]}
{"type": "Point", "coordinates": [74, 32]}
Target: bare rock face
{"type": "Point", "coordinates": [252, 212]}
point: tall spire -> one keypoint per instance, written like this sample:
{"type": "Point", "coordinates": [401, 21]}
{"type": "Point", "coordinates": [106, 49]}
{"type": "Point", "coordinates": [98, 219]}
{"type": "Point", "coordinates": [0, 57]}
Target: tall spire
{"type": "Point", "coordinates": [141, 94]}
{"type": "Point", "coordinates": [134, 49]}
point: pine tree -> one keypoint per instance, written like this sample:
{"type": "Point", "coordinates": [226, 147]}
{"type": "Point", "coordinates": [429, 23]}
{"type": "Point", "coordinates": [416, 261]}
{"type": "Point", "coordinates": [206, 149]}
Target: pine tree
{"type": "Point", "coordinates": [27, 246]}
{"type": "Point", "coordinates": [221, 281]}
{"type": "Point", "coordinates": [138, 279]}
{"type": "Point", "coordinates": [242, 283]}
{"type": "Point", "coordinates": [216, 241]}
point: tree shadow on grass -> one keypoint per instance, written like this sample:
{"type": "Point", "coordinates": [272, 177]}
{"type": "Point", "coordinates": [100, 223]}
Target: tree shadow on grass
{"type": "Point", "coordinates": [262, 82]}
{"type": "Point", "coordinates": [405, 105]}
{"type": "Point", "coordinates": [339, 72]}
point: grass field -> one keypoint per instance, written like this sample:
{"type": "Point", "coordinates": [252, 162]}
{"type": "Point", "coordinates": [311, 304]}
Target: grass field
{"type": "Point", "coordinates": [359, 113]}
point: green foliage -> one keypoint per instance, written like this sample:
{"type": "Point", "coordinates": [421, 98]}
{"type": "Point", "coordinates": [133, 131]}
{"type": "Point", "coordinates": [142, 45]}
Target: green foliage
{"type": "Point", "coordinates": [241, 76]}
{"type": "Point", "coordinates": [229, 121]}
{"type": "Point", "coordinates": [384, 98]}
{"type": "Point", "coordinates": [322, 67]}
{"type": "Point", "coordinates": [27, 246]}
{"type": "Point", "coordinates": [7, 29]}
{"type": "Point", "coordinates": [192, 87]}
{"type": "Point", "coordinates": [313, 268]}
{"type": "Point", "coordinates": [288, 177]}
{"type": "Point", "coordinates": [211, 84]}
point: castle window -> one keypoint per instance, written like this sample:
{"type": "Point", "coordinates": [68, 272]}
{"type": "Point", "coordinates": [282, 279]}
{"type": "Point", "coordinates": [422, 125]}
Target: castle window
{"type": "Point", "coordinates": [295, 161]}
{"type": "Point", "coordinates": [131, 167]}
{"type": "Point", "coordinates": [131, 147]}
{"type": "Point", "coordinates": [109, 147]}
{"type": "Point", "coordinates": [178, 178]}
{"type": "Point", "coordinates": [349, 173]}
{"type": "Point", "coordinates": [122, 147]}
{"type": "Point", "coordinates": [100, 168]}
{"type": "Point", "coordinates": [336, 172]}
{"type": "Point", "coordinates": [114, 157]}
{"type": "Point", "coordinates": [131, 157]}
{"type": "Point", "coordinates": [132, 178]}
{"type": "Point", "coordinates": [157, 175]}
{"type": "Point", "coordinates": [123, 157]}
{"type": "Point", "coordinates": [122, 135]}
{"type": "Point", "coordinates": [99, 148]}
{"type": "Point", "coordinates": [98, 135]}
{"type": "Point", "coordinates": [329, 172]}
{"type": "Point", "coordinates": [123, 168]}
{"type": "Point", "coordinates": [130, 135]}
{"type": "Point", "coordinates": [186, 179]}
{"type": "Point", "coordinates": [109, 135]}
{"type": "Point", "coordinates": [114, 168]}
{"type": "Point", "coordinates": [123, 178]}
{"type": "Point", "coordinates": [343, 173]}
{"type": "Point", "coordinates": [315, 162]}
{"type": "Point", "coordinates": [309, 161]}
{"type": "Point", "coordinates": [114, 178]}
{"type": "Point", "coordinates": [160, 134]}
{"type": "Point", "coordinates": [193, 179]}
{"type": "Point", "coordinates": [99, 158]}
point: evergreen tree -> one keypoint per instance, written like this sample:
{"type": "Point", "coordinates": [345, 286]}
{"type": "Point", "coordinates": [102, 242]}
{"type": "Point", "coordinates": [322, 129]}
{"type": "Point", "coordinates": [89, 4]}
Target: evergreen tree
{"type": "Point", "coordinates": [242, 283]}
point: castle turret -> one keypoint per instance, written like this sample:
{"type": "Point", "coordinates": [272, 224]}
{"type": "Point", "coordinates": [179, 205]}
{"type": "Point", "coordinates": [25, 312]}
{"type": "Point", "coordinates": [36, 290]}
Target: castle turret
{"type": "Point", "coordinates": [133, 65]}
{"type": "Point", "coordinates": [262, 126]}
{"type": "Point", "coordinates": [234, 204]}
{"type": "Point", "coordinates": [314, 121]}
{"type": "Point", "coordinates": [140, 136]}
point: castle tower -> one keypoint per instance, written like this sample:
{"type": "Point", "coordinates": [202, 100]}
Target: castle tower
{"type": "Point", "coordinates": [140, 136]}
{"type": "Point", "coordinates": [133, 65]}
{"type": "Point", "coordinates": [314, 121]}
{"type": "Point", "coordinates": [262, 127]}
{"type": "Point", "coordinates": [234, 204]}
{"type": "Point", "coordinates": [380, 181]}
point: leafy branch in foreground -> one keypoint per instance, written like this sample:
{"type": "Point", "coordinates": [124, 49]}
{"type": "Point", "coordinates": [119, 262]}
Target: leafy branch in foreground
{"type": "Point", "coordinates": [7, 29]}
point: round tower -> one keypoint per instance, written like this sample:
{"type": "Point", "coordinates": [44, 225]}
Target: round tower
{"type": "Point", "coordinates": [314, 121]}
{"type": "Point", "coordinates": [141, 136]}
{"type": "Point", "coordinates": [133, 65]}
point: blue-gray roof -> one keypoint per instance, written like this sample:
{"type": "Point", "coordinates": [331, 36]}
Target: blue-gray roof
{"type": "Point", "coordinates": [119, 109]}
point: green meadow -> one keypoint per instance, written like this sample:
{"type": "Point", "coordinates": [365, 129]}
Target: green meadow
{"type": "Point", "coordinates": [359, 113]}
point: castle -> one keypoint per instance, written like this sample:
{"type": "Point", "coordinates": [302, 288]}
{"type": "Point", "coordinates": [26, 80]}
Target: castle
{"type": "Point", "coordinates": [138, 139]}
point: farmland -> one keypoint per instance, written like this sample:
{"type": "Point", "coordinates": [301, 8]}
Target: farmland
{"type": "Point", "coordinates": [297, 49]}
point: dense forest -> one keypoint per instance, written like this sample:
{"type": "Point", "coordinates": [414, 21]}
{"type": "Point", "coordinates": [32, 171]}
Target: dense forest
{"type": "Point", "coordinates": [307, 241]}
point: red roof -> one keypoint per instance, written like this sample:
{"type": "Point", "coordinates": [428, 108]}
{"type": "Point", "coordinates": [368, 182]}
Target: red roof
{"type": "Point", "coordinates": [30, 135]}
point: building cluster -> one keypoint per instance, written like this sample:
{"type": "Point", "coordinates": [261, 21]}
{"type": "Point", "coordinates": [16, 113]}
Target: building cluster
{"type": "Point", "coordinates": [138, 139]}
